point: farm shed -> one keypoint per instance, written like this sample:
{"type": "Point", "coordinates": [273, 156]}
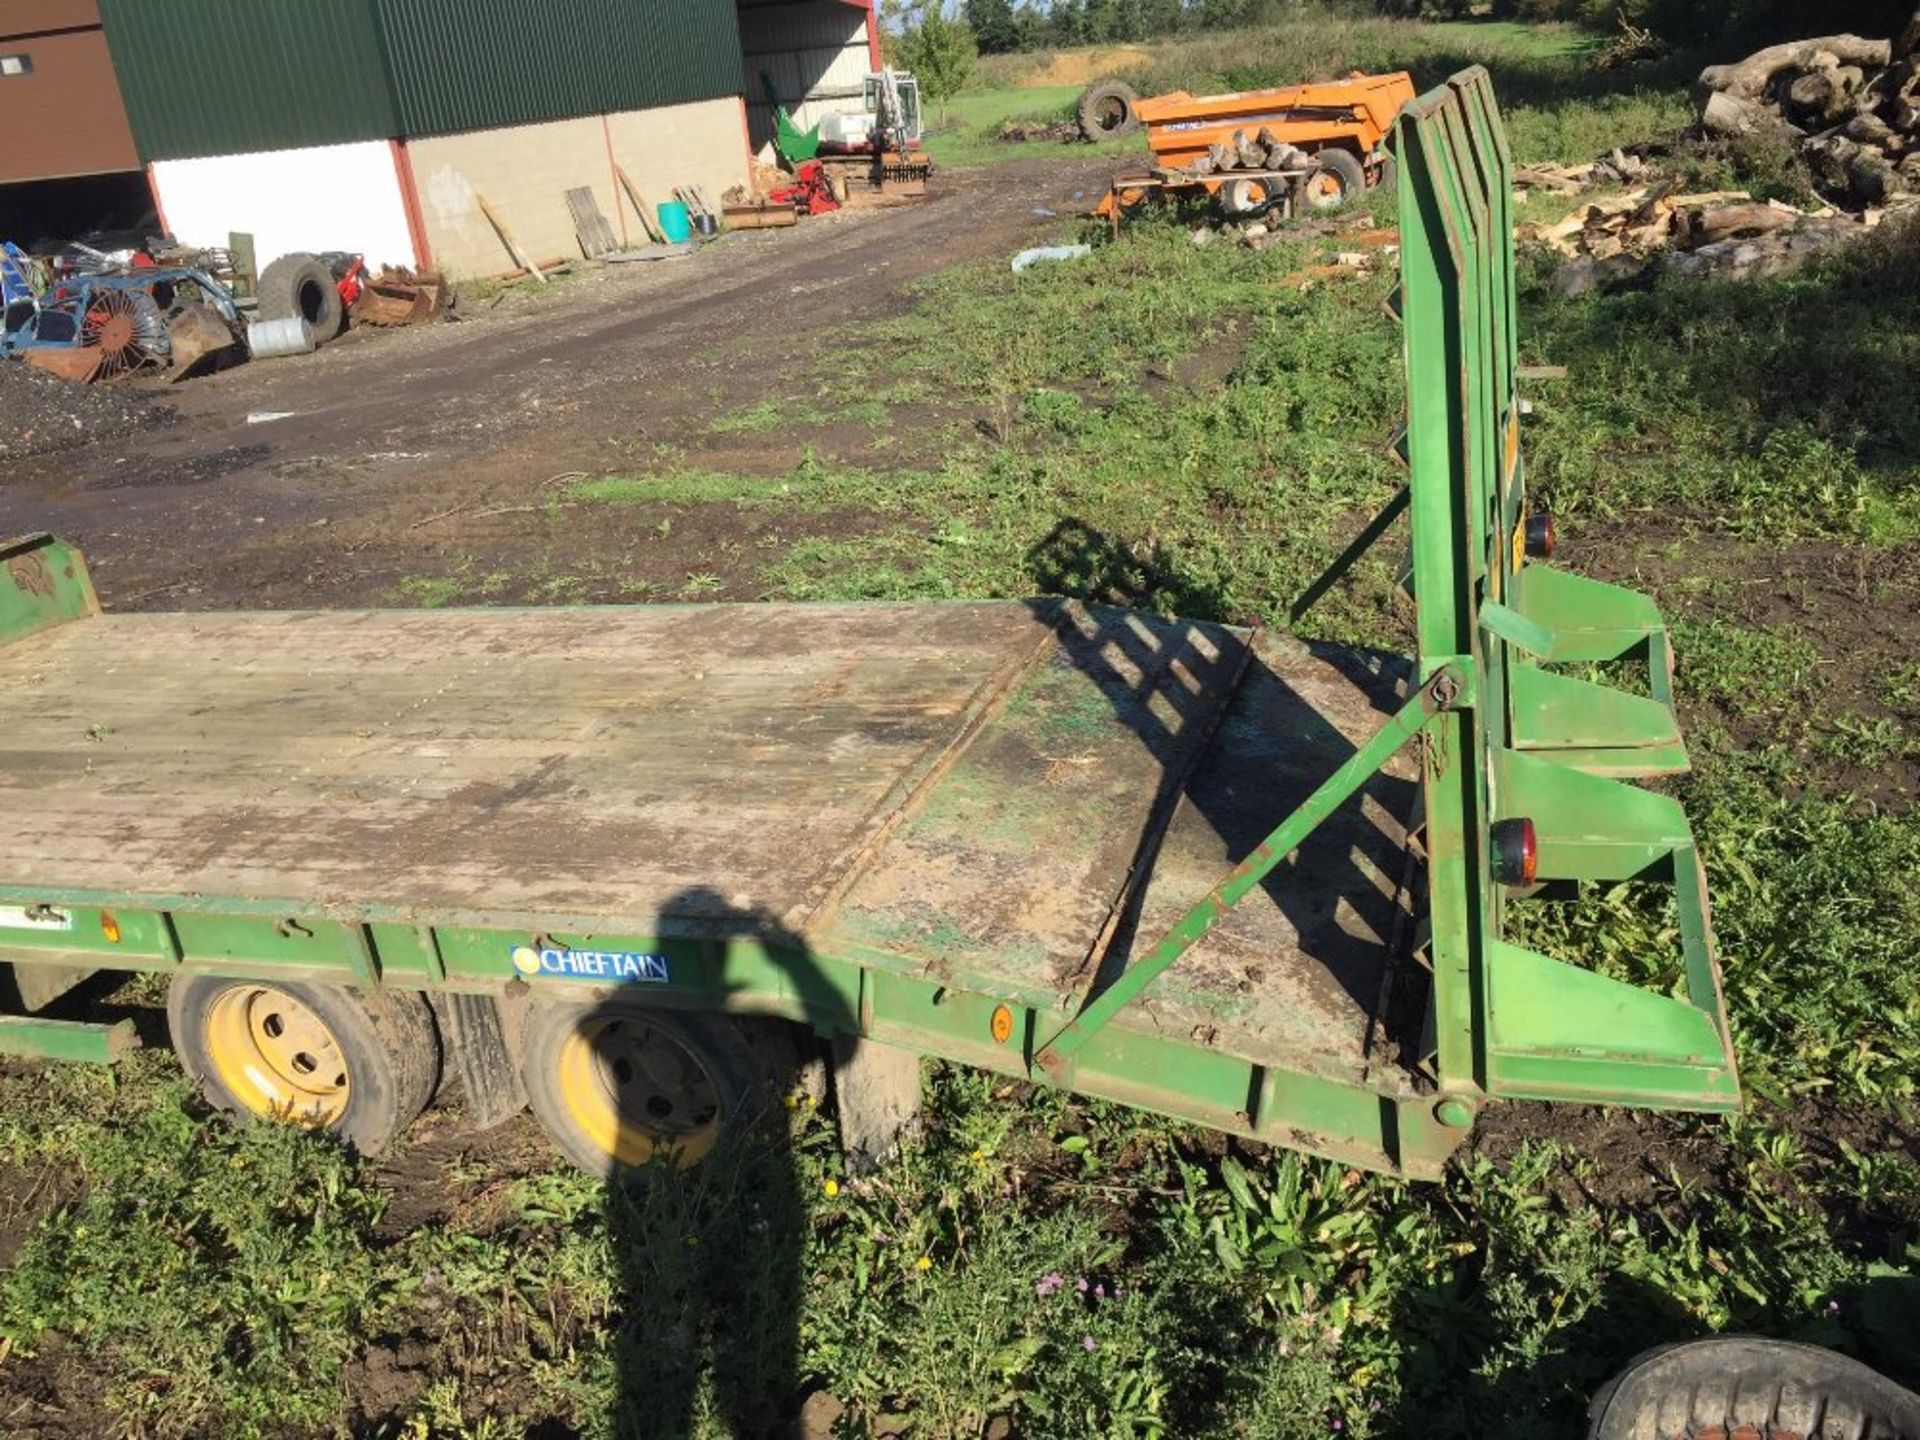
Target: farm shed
{"type": "Point", "coordinates": [378, 126]}
{"type": "Point", "coordinates": [70, 163]}
{"type": "Point", "coordinates": [809, 55]}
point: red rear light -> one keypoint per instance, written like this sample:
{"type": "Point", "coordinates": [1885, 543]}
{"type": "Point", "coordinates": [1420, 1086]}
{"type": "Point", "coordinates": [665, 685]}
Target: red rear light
{"type": "Point", "coordinates": [1540, 536]}
{"type": "Point", "coordinates": [1516, 852]}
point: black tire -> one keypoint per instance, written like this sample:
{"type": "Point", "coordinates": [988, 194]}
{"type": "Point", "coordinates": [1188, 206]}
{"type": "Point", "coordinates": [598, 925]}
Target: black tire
{"type": "Point", "coordinates": [1389, 180]}
{"type": "Point", "coordinates": [385, 1050]}
{"type": "Point", "coordinates": [1336, 179]}
{"type": "Point", "coordinates": [1740, 1384]}
{"type": "Point", "coordinates": [302, 285]}
{"type": "Point", "coordinates": [1108, 110]}
{"type": "Point", "coordinates": [586, 1081]}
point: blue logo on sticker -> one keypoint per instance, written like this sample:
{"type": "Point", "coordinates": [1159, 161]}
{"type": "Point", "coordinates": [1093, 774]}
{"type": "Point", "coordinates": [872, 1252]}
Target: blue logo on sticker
{"type": "Point", "coordinates": [625, 965]}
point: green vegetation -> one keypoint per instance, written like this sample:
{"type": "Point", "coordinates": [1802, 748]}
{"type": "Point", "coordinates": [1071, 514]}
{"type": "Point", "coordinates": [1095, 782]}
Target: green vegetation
{"type": "Point", "coordinates": [1004, 26]}
{"type": "Point", "coordinates": [939, 50]}
{"type": "Point", "coordinates": [1750, 454]}
{"type": "Point", "coordinates": [1558, 106]}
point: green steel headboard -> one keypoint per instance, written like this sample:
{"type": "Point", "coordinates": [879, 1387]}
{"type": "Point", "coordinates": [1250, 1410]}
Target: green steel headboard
{"type": "Point", "coordinates": [1534, 744]}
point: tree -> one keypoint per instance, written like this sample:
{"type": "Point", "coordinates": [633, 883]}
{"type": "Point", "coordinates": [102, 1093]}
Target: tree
{"type": "Point", "coordinates": [940, 53]}
{"type": "Point", "coordinates": [995, 27]}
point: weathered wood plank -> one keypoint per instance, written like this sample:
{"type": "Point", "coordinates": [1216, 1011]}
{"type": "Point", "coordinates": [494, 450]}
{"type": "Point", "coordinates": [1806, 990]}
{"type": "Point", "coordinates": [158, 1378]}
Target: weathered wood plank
{"type": "Point", "coordinates": [553, 761]}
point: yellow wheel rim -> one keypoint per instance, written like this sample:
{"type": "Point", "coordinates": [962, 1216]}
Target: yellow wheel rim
{"type": "Point", "coordinates": [277, 1057]}
{"type": "Point", "coordinates": [636, 1091]}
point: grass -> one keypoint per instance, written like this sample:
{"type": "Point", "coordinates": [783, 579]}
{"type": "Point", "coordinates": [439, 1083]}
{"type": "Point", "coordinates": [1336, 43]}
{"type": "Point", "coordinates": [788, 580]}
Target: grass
{"type": "Point", "coordinates": [1077, 1269]}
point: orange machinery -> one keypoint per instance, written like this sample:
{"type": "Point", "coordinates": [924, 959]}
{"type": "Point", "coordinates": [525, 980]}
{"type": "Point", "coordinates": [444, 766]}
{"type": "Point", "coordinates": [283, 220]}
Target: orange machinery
{"type": "Point", "coordinates": [1340, 124]}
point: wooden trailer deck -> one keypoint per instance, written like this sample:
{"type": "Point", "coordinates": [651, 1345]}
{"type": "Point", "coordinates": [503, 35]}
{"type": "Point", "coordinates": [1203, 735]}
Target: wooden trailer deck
{"type": "Point", "coordinates": [964, 791]}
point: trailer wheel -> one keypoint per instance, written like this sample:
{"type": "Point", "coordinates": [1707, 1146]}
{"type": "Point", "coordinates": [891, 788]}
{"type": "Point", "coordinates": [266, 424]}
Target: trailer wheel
{"type": "Point", "coordinates": [361, 1065]}
{"type": "Point", "coordinates": [616, 1084]}
{"type": "Point", "coordinates": [1744, 1385]}
{"type": "Point", "coordinates": [1108, 110]}
{"type": "Point", "coordinates": [1335, 179]}
{"type": "Point", "coordinates": [301, 285]}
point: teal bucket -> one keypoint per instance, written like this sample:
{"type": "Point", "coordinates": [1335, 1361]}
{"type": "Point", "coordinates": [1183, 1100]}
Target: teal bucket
{"type": "Point", "coordinates": [675, 223]}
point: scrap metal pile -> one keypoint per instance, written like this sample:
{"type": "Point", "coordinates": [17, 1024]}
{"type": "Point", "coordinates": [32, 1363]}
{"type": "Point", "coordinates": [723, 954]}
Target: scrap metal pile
{"type": "Point", "coordinates": [89, 316]}
{"type": "Point", "coordinates": [84, 314]}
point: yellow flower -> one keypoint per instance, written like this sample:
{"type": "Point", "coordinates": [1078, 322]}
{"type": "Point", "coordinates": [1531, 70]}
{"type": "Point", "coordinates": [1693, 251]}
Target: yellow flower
{"type": "Point", "coordinates": [979, 1157]}
{"type": "Point", "coordinates": [832, 1187]}
{"type": "Point", "coordinates": [923, 1264]}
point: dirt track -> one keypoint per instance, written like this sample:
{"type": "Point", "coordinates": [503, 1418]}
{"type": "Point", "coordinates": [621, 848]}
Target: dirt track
{"type": "Point", "coordinates": [380, 431]}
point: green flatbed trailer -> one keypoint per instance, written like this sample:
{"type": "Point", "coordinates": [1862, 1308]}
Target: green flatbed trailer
{"type": "Point", "coordinates": [1228, 876]}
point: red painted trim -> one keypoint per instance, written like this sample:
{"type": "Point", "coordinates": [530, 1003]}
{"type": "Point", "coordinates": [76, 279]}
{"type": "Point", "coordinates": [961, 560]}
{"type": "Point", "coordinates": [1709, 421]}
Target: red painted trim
{"type": "Point", "coordinates": [613, 180]}
{"type": "Point", "coordinates": [159, 210]}
{"type": "Point", "coordinates": [410, 202]}
{"type": "Point", "coordinates": [874, 56]}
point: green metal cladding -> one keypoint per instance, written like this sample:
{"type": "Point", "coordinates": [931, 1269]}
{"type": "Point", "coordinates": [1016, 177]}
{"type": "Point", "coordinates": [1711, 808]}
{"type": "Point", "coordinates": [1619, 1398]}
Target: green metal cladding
{"type": "Point", "coordinates": [475, 64]}
{"type": "Point", "coordinates": [217, 77]}
{"type": "Point", "coordinates": [221, 77]}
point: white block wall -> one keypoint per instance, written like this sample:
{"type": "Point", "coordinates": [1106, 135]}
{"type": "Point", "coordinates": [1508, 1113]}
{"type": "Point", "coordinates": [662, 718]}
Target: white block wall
{"type": "Point", "coordinates": [330, 197]}
{"type": "Point", "coordinates": [525, 171]}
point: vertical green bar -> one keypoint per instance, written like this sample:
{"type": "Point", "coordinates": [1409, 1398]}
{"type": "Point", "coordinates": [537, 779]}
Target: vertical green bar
{"type": "Point", "coordinates": [1433, 259]}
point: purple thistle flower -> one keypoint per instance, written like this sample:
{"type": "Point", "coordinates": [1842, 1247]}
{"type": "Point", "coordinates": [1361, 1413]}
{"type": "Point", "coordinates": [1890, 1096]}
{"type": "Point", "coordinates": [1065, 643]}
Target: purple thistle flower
{"type": "Point", "coordinates": [1081, 1284]}
{"type": "Point", "coordinates": [1048, 1284]}
{"type": "Point", "coordinates": [1087, 1343]}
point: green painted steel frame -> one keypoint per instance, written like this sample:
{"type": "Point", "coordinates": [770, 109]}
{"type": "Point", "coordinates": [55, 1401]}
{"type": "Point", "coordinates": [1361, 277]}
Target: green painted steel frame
{"type": "Point", "coordinates": [1502, 736]}
{"type": "Point", "coordinates": [472, 953]}
{"type": "Point", "coordinates": [1539, 744]}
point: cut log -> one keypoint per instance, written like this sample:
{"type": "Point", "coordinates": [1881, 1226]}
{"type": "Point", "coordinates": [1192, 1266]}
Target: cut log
{"type": "Point", "coordinates": [1731, 222]}
{"type": "Point", "coordinates": [1249, 155]}
{"type": "Point", "coordinates": [1757, 73]}
{"type": "Point", "coordinates": [1867, 128]}
{"type": "Point", "coordinates": [1870, 179]}
{"type": "Point", "coordinates": [1828, 159]}
{"type": "Point", "coordinates": [1816, 97]}
{"type": "Point", "coordinates": [1728, 115]}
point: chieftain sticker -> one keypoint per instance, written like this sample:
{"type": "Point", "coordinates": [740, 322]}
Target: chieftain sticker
{"type": "Point", "coordinates": [627, 965]}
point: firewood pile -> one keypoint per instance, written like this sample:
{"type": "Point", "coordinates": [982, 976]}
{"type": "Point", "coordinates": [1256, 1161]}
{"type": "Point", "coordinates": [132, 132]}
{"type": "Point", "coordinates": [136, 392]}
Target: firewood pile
{"type": "Point", "coordinates": [1264, 151]}
{"type": "Point", "coordinates": [1851, 105]}
{"type": "Point", "coordinates": [1715, 232]}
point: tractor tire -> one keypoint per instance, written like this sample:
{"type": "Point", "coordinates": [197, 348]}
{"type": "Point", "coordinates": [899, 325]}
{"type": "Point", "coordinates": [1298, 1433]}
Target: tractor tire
{"type": "Point", "coordinates": [302, 285]}
{"type": "Point", "coordinates": [617, 1084]}
{"type": "Point", "coordinates": [1108, 110]}
{"type": "Point", "coordinates": [359, 1064]}
{"type": "Point", "coordinates": [1389, 181]}
{"type": "Point", "coordinates": [1742, 1385]}
{"type": "Point", "coordinates": [1336, 179]}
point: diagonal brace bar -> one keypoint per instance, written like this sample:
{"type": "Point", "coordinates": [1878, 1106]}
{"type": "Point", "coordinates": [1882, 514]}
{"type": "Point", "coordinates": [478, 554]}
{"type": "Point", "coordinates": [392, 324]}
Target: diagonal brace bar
{"type": "Point", "coordinates": [1362, 543]}
{"type": "Point", "coordinates": [1441, 690]}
